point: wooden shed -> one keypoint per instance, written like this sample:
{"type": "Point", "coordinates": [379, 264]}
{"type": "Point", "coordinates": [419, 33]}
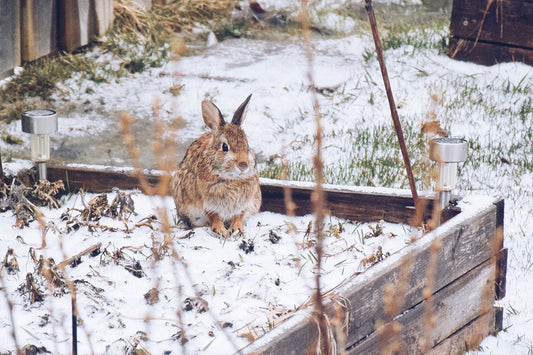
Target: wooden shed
{"type": "Point", "coordinates": [443, 285]}
{"type": "Point", "coordinates": [492, 31]}
{"type": "Point", "coordinates": [36, 28]}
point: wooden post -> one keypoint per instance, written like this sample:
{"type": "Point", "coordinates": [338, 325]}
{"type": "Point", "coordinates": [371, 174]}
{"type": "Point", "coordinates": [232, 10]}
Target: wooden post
{"type": "Point", "coordinates": [38, 28]}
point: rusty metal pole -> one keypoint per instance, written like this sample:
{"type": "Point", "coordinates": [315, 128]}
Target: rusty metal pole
{"type": "Point", "coordinates": [394, 113]}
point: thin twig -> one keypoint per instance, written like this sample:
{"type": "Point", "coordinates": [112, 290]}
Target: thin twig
{"type": "Point", "coordinates": [392, 104]}
{"type": "Point", "coordinates": [90, 249]}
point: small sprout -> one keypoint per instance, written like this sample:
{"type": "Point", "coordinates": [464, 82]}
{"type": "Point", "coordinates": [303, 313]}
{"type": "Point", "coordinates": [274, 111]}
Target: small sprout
{"type": "Point", "coordinates": [335, 229]}
{"type": "Point", "coordinates": [309, 230]}
{"type": "Point", "coordinates": [375, 231]}
{"type": "Point", "coordinates": [29, 287]}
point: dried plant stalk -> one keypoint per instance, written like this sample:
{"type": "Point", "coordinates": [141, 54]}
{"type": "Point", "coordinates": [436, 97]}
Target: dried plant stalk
{"type": "Point", "coordinates": [318, 196]}
{"type": "Point", "coordinates": [389, 330]}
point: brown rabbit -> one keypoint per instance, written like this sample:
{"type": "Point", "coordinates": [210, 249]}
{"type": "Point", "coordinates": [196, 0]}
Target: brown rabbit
{"type": "Point", "coordinates": [217, 181]}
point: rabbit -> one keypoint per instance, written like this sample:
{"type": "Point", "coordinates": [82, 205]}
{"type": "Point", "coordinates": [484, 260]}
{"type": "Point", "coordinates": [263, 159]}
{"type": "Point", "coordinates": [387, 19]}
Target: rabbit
{"type": "Point", "coordinates": [216, 183]}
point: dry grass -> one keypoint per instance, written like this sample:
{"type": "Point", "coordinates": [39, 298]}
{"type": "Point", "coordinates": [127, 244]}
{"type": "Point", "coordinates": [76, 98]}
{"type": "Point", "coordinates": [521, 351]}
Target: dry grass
{"type": "Point", "coordinates": [162, 20]}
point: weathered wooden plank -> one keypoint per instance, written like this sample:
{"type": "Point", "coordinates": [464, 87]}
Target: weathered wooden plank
{"type": "Point", "coordinates": [96, 180]}
{"type": "Point", "coordinates": [104, 16]}
{"type": "Point", "coordinates": [465, 243]}
{"type": "Point", "coordinates": [38, 30]}
{"type": "Point", "coordinates": [347, 204]}
{"type": "Point", "coordinates": [363, 207]}
{"type": "Point", "coordinates": [82, 20]}
{"type": "Point", "coordinates": [501, 274]}
{"type": "Point", "coordinates": [507, 22]}
{"type": "Point", "coordinates": [470, 336]}
{"type": "Point", "coordinates": [487, 53]}
{"type": "Point", "coordinates": [454, 307]}
{"type": "Point", "coordinates": [463, 247]}
{"type": "Point", "coordinates": [10, 36]}
{"type": "Point", "coordinates": [501, 270]}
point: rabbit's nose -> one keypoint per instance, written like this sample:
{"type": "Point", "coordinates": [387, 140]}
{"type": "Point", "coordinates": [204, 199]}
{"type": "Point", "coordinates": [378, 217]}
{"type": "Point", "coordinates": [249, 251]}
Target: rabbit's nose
{"type": "Point", "coordinates": [243, 165]}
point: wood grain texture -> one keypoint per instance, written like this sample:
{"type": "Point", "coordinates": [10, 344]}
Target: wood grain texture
{"type": "Point", "coordinates": [487, 53]}
{"type": "Point", "coordinates": [96, 180]}
{"type": "Point", "coordinates": [468, 337]}
{"type": "Point", "coordinates": [10, 36]}
{"type": "Point", "coordinates": [507, 22]}
{"type": "Point", "coordinates": [38, 29]}
{"type": "Point", "coordinates": [454, 307]}
{"type": "Point", "coordinates": [491, 32]}
{"type": "Point", "coordinates": [104, 16]}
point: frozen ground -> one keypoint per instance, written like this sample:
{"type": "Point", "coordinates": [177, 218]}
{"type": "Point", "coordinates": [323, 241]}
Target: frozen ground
{"type": "Point", "coordinates": [280, 120]}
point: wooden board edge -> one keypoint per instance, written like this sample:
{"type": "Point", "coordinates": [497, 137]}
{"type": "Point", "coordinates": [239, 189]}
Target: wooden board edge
{"type": "Point", "coordinates": [452, 307]}
{"type": "Point", "coordinates": [487, 53]}
{"type": "Point", "coordinates": [501, 274]}
{"type": "Point", "coordinates": [471, 334]}
{"type": "Point", "coordinates": [364, 206]}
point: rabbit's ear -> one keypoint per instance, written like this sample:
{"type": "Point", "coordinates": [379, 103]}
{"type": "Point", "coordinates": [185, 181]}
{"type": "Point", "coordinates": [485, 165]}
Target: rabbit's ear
{"type": "Point", "coordinates": [212, 115]}
{"type": "Point", "coordinates": [240, 114]}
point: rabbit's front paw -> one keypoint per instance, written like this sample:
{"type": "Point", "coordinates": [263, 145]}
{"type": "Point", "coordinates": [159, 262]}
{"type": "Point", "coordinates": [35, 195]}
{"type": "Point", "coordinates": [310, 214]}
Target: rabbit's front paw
{"type": "Point", "coordinates": [217, 225]}
{"type": "Point", "coordinates": [236, 225]}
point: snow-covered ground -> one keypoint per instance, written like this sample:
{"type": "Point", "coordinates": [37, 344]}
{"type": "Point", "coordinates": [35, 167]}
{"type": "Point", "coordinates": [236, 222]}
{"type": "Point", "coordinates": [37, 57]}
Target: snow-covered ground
{"type": "Point", "coordinates": [280, 121]}
{"type": "Point", "coordinates": [226, 291]}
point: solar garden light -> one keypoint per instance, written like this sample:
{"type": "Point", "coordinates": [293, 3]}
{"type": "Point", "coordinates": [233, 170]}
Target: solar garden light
{"type": "Point", "coordinates": [447, 152]}
{"type": "Point", "coordinates": [40, 124]}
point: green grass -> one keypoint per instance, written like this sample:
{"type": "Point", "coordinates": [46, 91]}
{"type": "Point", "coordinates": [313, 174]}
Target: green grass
{"type": "Point", "coordinates": [373, 160]}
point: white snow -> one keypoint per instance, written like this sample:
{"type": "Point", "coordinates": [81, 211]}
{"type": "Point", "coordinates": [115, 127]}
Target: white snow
{"type": "Point", "coordinates": [248, 292]}
{"type": "Point", "coordinates": [279, 120]}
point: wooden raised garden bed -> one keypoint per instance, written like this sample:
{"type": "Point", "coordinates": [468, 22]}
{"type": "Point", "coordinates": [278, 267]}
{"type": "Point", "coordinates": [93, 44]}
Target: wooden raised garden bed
{"type": "Point", "coordinates": [490, 32]}
{"type": "Point", "coordinates": [464, 255]}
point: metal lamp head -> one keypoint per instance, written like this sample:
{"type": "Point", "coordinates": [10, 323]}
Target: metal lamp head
{"type": "Point", "coordinates": [447, 152]}
{"type": "Point", "coordinates": [40, 124]}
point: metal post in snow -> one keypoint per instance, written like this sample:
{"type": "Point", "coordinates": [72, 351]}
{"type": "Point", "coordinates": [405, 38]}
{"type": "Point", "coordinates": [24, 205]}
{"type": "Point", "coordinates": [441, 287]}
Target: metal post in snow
{"type": "Point", "coordinates": [74, 324]}
{"type": "Point", "coordinates": [394, 113]}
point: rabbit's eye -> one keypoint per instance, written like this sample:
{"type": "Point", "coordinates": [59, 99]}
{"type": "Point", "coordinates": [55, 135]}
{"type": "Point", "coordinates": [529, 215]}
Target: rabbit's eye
{"type": "Point", "coordinates": [225, 147]}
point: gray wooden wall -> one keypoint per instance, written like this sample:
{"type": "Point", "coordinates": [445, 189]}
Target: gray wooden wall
{"type": "Point", "coordinates": [30, 29]}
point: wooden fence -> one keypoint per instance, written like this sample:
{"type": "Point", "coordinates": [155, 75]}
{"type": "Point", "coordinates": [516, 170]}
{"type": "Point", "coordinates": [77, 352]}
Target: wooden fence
{"type": "Point", "coordinates": [31, 29]}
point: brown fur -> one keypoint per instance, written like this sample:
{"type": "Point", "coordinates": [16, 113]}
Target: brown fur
{"type": "Point", "coordinates": [213, 186]}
